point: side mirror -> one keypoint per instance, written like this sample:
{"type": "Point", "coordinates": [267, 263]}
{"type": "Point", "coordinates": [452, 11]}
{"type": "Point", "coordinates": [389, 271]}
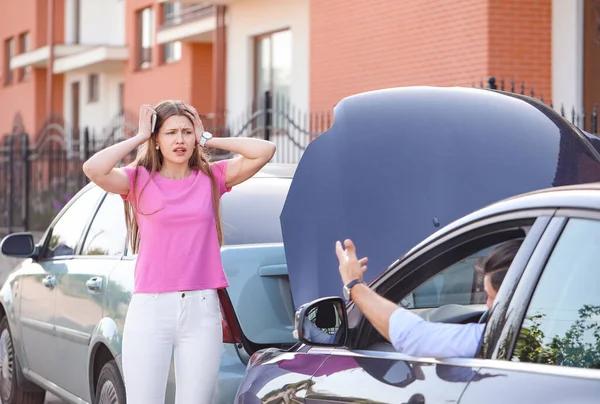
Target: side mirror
{"type": "Point", "coordinates": [322, 322]}
{"type": "Point", "coordinates": [18, 245]}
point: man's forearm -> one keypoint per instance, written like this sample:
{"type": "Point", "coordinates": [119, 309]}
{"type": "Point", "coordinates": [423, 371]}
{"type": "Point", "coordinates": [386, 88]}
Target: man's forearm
{"type": "Point", "coordinates": [376, 309]}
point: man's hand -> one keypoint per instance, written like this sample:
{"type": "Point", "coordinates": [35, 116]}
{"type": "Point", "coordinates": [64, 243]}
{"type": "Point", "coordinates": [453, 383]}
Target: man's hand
{"type": "Point", "coordinates": [350, 266]}
{"type": "Point", "coordinates": [376, 309]}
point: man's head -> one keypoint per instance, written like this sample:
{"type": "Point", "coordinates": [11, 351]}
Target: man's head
{"type": "Point", "coordinates": [494, 267]}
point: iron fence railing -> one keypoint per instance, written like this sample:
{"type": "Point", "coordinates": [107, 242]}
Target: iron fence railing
{"type": "Point", "coordinates": [39, 173]}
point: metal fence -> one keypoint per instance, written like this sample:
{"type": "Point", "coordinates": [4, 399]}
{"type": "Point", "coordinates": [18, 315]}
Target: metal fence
{"type": "Point", "coordinates": [584, 120]}
{"type": "Point", "coordinates": [40, 172]}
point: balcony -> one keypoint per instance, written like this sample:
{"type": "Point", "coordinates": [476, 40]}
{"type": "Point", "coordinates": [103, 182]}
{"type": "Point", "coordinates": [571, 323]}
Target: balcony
{"type": "Point", "coordinates": [187, 23]}
{"type": "Point", "coordinates": [39, 57]}
{"type": "Point", "coordinates": [94, 58]}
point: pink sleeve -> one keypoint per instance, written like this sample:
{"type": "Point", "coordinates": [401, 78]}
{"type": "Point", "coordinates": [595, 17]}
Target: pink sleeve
{"type": "Point", "coordinates": [219, 170]}
{"type": "Point", "coordinates": [130, 171]}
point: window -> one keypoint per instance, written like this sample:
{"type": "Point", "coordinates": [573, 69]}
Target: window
{"type": "Point", "coordinates": [24, 72]}
{"type": "Point", "coordinates": [457, 284]}
{"type": "Point", "coordinates": [273, 63]}
{"type": "Point", "coordinates": [250, 217]}
{"type": "Point", "coordinates": [108, 230]}
{"type": "Point", "coordinates": [76, 21]}
{"type": "Point", "coordinates": [93, 87]}
{"type": "Point", "coordinates": [562, 324]}
{"type": "Point", "coordinates": [68, 230]}
{"type": "Point", "coordinates": [171, 13]}
{"type": "Point", "coordinates": [171, 52]}
{"type": "Point", "coordinates": [9, 53]}
{"type": "Point", "coordinates": [145, 23]}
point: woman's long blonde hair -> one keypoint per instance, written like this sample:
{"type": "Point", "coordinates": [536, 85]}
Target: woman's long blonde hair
{"type": "Point", "coordinates": [152, 160]}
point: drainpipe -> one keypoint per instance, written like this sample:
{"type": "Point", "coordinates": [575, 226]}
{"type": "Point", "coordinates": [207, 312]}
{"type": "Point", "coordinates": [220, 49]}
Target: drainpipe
{"type": "Point", "coordinates": [219, 68]}
{"type": "Point", "coordinates": [50, 67]}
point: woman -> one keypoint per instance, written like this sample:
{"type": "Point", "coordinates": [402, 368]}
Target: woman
{"type": "Point", "coordinates": [172, 198]}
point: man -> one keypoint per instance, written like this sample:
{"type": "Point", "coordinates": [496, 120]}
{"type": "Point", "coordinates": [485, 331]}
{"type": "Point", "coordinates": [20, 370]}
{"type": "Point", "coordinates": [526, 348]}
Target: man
{"type": "Point", "coordinates": [408, 332]}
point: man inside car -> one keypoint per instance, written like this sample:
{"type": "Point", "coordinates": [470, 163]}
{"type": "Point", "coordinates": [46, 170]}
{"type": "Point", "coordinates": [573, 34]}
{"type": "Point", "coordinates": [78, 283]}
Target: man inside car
{"type": "Point", "coordinates": [407, 331]}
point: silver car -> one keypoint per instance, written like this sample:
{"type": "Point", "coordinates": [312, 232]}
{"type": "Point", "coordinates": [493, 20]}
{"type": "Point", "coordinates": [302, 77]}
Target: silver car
{"type": "Point", "coordinates": [63, 307]}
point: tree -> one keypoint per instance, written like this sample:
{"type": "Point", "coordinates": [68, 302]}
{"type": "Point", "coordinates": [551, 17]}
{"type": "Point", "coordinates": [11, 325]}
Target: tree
{"type": "Point", "coordinates": [579, 347]}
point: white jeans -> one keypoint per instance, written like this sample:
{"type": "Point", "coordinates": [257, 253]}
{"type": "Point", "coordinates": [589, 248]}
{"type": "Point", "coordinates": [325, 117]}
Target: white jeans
{"type": "Point", "coordinates": [186, 323]}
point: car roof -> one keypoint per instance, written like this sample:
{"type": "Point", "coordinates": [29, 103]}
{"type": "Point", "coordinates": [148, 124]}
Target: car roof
{"type": "Point", "coordinates": [277, 170]}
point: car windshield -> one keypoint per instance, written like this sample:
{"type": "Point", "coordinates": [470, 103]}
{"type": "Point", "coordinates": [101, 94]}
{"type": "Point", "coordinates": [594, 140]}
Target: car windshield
{"type": "Point", "coordinates": [250, 213]}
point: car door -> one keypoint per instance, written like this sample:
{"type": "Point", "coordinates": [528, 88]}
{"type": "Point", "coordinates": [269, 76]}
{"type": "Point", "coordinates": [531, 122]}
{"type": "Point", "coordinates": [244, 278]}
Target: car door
{"type": "Point", "coordinates": [38, 285]}
{"type": "Point", "coordinates": [551, 335]}
{"type": "Point", "coordinates": [440, 284]}
{"type": "Point", "coordinates": [81, 293]}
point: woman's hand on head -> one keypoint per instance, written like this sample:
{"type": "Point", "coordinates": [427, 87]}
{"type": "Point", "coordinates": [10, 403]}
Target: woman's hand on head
{"type": "Point", "coordinates": [197, 122]}
{"type": "Point", "coordinates": [145, 123]}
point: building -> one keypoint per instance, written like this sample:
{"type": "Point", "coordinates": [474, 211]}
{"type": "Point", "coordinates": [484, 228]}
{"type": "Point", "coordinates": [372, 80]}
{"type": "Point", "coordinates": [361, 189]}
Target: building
{"type": "Point", "coordinates": [109, 56]}
{"type": "Point", "coordinates": [88, 57]}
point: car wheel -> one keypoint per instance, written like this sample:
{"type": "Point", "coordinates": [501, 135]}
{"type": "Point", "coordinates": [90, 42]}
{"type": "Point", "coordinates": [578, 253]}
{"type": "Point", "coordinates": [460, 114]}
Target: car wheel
{"type": "Point", "coordinates": [110, 388]}
{"type": "Point", "coordinates": [10, 393]}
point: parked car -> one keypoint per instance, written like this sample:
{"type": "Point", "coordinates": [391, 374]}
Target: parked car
{"type": "Point", "coordinates": [543, 330]}
{"type": "Point", "coordinates": [63, 308]}
{"type": "Point", "coordinates": [399, 166]}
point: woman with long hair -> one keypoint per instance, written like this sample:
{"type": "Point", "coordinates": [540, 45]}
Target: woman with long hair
{"type": "Point", "coordinates": [172, 194]}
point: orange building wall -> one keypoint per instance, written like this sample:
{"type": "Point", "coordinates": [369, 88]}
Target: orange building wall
{"type": "Point", "coordinates": [188, 79]}
{"type": "Point", "coordinates": [28, 98]}
{"type": "Point", "coordinates": [202, 78]}
{"type": "Point", "coordinates": [370, 44]}
{"type": "Point", "coordinates": [364, 45]}
{"type": "Point", "coordinates": [520, 44]}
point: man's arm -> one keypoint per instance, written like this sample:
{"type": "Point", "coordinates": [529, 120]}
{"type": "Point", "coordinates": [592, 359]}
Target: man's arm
{"type": "Point", "coordinates": [411, 334]}
{"type": "Point", "coordinates": [408, 332]}
{"type": "Point", "coordinates": [378, 310]}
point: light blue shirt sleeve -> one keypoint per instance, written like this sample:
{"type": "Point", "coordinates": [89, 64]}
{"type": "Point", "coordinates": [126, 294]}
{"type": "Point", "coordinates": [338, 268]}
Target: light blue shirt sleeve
{"type": "Point", "coordinates": [315, 334]}
{"type": "Point", "coordinates": [412, 335]}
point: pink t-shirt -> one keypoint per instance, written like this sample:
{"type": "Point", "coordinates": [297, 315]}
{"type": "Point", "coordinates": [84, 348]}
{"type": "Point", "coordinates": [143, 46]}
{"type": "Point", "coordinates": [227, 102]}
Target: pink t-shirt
{"type": "Point", "coordinates": [179, 247]}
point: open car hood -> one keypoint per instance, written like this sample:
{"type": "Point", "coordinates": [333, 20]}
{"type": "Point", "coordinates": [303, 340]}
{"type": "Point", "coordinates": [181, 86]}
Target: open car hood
{"type": "Point", "coordinates": [399, 164]}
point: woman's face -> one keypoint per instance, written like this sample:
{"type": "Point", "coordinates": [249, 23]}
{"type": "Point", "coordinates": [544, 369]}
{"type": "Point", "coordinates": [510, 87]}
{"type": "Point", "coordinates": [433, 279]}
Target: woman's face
{"type": "Point", "coordinates": [176, 139]}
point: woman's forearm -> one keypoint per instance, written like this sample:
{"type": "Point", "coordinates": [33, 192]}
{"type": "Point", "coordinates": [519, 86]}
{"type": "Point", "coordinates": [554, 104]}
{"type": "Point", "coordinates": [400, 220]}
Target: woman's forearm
{"type": "Point", "coordinates": [102, 162]}
{"type": "Point", "coordinates": [249, 148]}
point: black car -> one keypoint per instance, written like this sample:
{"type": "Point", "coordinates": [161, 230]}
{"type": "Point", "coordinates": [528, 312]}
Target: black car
{"type": "Point", "coordinates": [403, 165]}
{"type": "Point", "coordinates": [541, 342]}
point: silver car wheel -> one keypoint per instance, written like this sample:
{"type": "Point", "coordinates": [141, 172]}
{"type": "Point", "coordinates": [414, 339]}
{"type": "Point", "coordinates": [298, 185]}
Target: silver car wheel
{"type": "Point", "coordinates": [6, 365]}
{"type": "Point", "coordinates": [108, 394]}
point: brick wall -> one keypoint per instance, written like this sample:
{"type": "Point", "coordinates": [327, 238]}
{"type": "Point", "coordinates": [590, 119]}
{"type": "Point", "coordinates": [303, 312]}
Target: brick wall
{"type": "Point", "coordinates": [520, 43]}
{"type": "Point", "coordinates": [16, 18]}
{"type": "Point", "coordinates": [363, 45]}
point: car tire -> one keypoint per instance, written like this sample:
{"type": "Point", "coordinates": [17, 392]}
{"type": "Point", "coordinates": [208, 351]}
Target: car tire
{"type": "Point", "coordinates": [10, 393]}
{"type": "Point", "coordinates": [110, 388]}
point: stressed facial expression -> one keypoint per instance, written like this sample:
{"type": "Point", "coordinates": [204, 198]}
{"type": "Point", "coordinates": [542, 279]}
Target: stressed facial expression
{"type": "Point", "coordinates": [489, 289]}
{"type": "Point", "coordinates": [176, 139]}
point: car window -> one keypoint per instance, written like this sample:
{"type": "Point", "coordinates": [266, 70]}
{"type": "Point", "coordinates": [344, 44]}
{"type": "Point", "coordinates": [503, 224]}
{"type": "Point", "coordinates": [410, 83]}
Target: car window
{"type": "Point", "coordinates": [562, 324]}
{"type": "Point", "coordinates": [68, 230]}
{"type": "Point", "coordinates": [457, 284]}
{"type": "Point", "coordinates": [107, 233]}
{"type": "Point", "coordinates": [250, 213]}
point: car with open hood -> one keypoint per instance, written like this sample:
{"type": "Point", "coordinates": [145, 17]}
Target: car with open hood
{"type": "Point", "coordinates": [401, 172]}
